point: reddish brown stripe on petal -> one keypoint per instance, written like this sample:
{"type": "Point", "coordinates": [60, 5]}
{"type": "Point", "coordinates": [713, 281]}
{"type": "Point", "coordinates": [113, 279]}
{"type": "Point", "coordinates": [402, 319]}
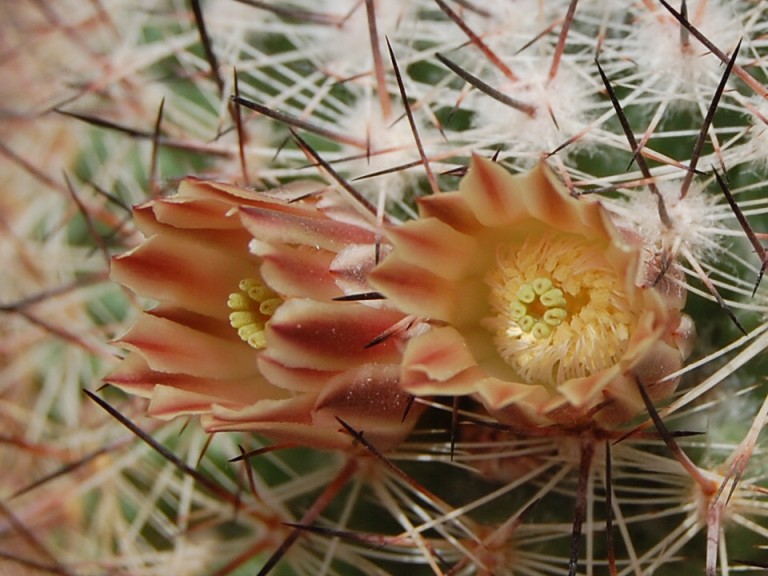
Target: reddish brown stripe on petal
{"type": "Point", "coordinates": [133, 375]}
{"type": "Point", "coordinates": [174, 268]}
{"type": "Point", "coordinates": [329, 336]}
{"type": "Point", "coordinates": [214, 326]}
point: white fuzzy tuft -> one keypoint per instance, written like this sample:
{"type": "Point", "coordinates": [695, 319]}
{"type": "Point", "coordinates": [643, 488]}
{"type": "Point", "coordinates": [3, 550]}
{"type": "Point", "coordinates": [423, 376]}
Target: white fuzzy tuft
{"type": "Point", "coordinates": [696, 219]}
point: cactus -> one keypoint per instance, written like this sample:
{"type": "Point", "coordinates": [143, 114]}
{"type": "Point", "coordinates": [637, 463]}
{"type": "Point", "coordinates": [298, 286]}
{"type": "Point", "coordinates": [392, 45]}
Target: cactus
{"type": "Point", "coordinates": [400, 207]}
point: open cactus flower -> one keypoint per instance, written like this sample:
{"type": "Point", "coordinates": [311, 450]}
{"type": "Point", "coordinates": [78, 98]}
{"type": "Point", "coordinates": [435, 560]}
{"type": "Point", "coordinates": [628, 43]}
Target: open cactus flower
{"type": "Point", "coordinates": [246, 332]}
{"type": "Point", "coordinates": [539, 307]}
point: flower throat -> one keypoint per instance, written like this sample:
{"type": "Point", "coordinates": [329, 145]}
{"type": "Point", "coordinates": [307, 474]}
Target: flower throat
{"type": "Point", "coordinates": [558, 309]}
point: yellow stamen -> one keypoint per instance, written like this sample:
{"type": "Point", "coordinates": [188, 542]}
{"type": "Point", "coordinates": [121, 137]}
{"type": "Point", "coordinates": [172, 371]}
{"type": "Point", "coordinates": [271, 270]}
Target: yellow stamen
{"type": "Point", "coordinates": [252, 306]}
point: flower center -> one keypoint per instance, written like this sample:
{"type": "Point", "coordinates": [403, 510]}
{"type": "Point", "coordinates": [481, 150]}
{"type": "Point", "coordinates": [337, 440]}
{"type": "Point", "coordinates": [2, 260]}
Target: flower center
{"type": "Point", "coordinates": [252, 306]}
{"type": "Point", "coordinates": [558, 309]}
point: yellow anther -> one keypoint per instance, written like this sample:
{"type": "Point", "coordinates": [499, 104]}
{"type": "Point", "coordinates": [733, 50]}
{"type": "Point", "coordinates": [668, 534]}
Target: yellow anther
{"type": "Point", "coordinates": [254, 335]}
{"type": "Point", "coordinates": [247, 331]}
{"type": "Point", "coordinates": [237, 301]}
{"type": "Point", "coordinates": [541, 285]}
{"type": "Point", "coordinates": [241, 318]}
{"type": "Point", "coordinates": [257, 340]}
{"type": "Point", "coordinates": [252, 307]}
{"type": "Point", "coordinates": [268, 307]}
{"type": "Point", "coordinates": [526, 293]}
{"type": "Point", "coordinates": [248, 283]}
{"type": "Point", "coordinates": [256, 290]}
{"type": "Point", "coordinates": [553, 298]}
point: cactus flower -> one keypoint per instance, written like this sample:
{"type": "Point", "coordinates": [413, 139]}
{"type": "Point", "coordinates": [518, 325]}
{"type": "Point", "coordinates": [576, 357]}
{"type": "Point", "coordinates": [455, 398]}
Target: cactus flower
{"type": "Point", "coordinates": [246, 332]}
{"type": "Point", "coordinates": [539, 306]}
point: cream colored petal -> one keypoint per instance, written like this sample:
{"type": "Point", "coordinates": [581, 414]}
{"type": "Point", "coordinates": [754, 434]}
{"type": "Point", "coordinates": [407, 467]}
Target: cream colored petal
{"type": "Point", "coordinates": [293, 433]}
{"type": "Point", "coordinates": [439, 355]}
{"type": "Point", "coordinates": [169, 402]}
{"type": "Point", "coordinates": [437, 248]}
{"type": "Point", "coordinates": [585, 391]}
{"type": "Point", "coordinates": [495, 196]}
{"type": "Point", "coordinates": [286, 194]}
{"type": "Point", "coordinates": [353, 264]}
{"type": "Point", "coordinates": [552, 204]}
{"type": "Point", "coordinates": [293, 379]}
{"type": "Point", "coordinates": [684, 336]}
{"type": "Point", "coordinates": [650, 327]}
{"type": "Point", "coordinates": [296, 409]}
{"type": "Point", "coordinates": [497, 394]}
{"type": "Point", "coordinates": [192, 188]}
{"type": "Point", "coordinates": [499, 199]}
{"type": "Point", "coordinates": [135, 376]}
{"type": "Point", "coordinates": [338, 207]}
{"type": "Point", "coordinates": [463, 383]}
{"type": "Point", "coordinates": [282, 421]}
{"type": "Point", "coordinates": [415, 291]}
{"type": "Point", "coordinates": [145, 221]}
{"type": "Point", "coordinates": [171, 347]}
{"type": "Point", "coordinates": [451, 208]}
{"type": "Point", "coordinates": [329, 336]}
{"type": "Point", "coordinates": [195, 214]}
